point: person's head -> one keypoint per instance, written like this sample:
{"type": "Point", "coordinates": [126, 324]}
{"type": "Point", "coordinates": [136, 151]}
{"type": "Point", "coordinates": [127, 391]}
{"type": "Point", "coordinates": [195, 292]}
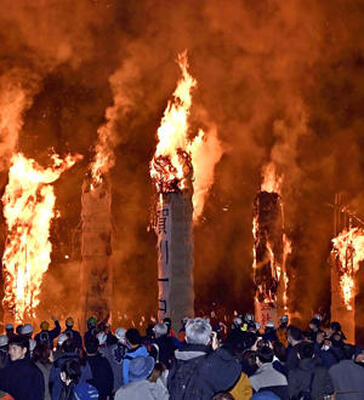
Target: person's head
{"type": "Point", "coordinates": [69, 323]}
{"type": "Point", "coordinates": [250, 357]}
{"type": "Point", "coordinates": [91, 323]}
{"type": "Point", "coordinates": [92, 346]}
{"type": "Point", "coordinates": [9, 328]}
{"type": "Point", "coordinates": [44, 326]}
{"type": "Point", "coordinates": [294, 335]}
{"type": "Point", "coordinates": [160, 329]}
{"type": "Point", "coordinates": [70, 372]}
{"type": "Point", "coordinates": [306, 350]}
{"type": "Point", "coordinates": [359, 355]}
{"type": "Point", "coordinates": [120, 335]}
{"type": "Point", "coordinates": [4, 341]}
{"type": "Point", "coordinates": [264, 355]}
{"type": "Point", "coordinates": [315, 325]}
{"type": "Point", "coordinates": [18, 348]}
{"type": "Point", "coordinates": [27, 330]}
{"type": "Point", "coordinates": [140, 368]}
{"type": "Point", "coordinates": [279, 351]}
{"type": "Point", "coordinates": [335, 327]}
{"type": "Point", "coordinates": [133, 337]}
{"type": "Point", "coordinates": [198, 331]}
{"type": "Point", "coordinates": [42, 353]}
{"type": "Point", "coordinates": [68, 346]}
{"type": "Point", "coordinates": [102, 338]}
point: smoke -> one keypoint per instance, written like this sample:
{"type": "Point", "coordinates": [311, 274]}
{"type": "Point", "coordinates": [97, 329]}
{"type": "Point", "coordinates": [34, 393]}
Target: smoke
{"type": "Point", "coordinates": [280, 81]}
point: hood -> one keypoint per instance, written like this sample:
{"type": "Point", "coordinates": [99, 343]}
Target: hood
{"type": "Point", "coordinates": [140, 351]}
{"type": "Point", "coordinates": [191, 351]}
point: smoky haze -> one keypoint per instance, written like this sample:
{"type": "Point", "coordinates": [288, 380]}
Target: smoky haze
{"type": "Point", "coordinates": [282, 82]}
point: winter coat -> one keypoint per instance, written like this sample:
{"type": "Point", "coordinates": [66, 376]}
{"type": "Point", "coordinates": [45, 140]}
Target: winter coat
{"type": "Point", "coordinates": [46, 370]}
{"type": "Point", "coordinates": [299, 379]}
{"type": "Point", "coordinates": [55, 383]}
{"type": "Point", "coordinates": [198, 373]}
{"type": "Point", "coordinates": [116, 358]}
{"type": "Point", "coordinates": [348, 376]}
{"type": "Point", "coordinates": [81, 391]}
{"type": "Point", "coordinates": [327, 357]}
{"type": "Point", "coordinates": [102, 376]}
{"type": "Point", "coordinates": [140, 351]}
{"type": "Point", "coordinates": [23, 380]}
{"type": "Point", "coordinates": [4, 357]}
{"type": "Point", "coordinates": [243, 389]}
{"type": "Point", "coordinates": [48, 336]}
{"type": "Point", "coordinates": [75, 336]}
{"type": "Point", "coordinates": [292, 357]}
{"type": "Point", "coordinates": [268, 378]}
{"type": "Point", "coordinates": [162, 350]}
{"type": "Point", "coordinates": [142, 390]}
{"type": "Point", "coordinates": [265, 395]}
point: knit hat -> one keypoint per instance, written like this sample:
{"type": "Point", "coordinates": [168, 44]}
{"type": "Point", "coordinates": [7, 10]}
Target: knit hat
{"type": "Point", "coordinates": [27, 329]}
{"type": "Point", "coordinates": [140, 368]}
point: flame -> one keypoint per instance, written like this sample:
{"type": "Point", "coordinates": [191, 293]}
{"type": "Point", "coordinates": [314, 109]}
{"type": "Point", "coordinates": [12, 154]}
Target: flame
{"type": "Point", "coordinates": [272, 183]}
{"type": "Point", "coordinates": [349, 251]}
{"type": "Point", "coordinates": [180, 160]}
{"type": "Point", "coordinates": [29, 202]}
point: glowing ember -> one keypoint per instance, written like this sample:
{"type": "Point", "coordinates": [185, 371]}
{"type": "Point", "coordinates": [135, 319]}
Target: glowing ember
{"type": "Point", "coordinates": [180, 160]}
{"type": "Point", "coordinates": [29, 202]}
{"type": "Point", "coordinates": [349, 252]}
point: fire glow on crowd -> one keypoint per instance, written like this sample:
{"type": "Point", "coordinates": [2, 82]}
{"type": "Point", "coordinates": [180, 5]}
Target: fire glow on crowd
{"type": "Point", "coordinates": [260, 118]}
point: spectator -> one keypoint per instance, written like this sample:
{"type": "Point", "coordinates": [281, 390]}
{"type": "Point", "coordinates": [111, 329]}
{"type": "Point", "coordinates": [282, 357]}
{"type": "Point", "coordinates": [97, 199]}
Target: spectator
{"type": "Point", "coordinates": [73, 334]}
{"type": "Point", "coordinates": [267, 377]}
{"type": "Point", "coordinates": [47, 336]}
{"type": "Point", "coordinates": [136, 350]}
{"type": "Point", "coordinates": [43, 358]}
{"type": "Point", "coordinates": [102, 375]}
{"type": "Point", "coordinates": [21, 378]}
{"type": "Point", "coordinates": [72, 388]}
{"type": "Point", "coordinates": [294, 338]}
{"type": "Point", "coordinates": [199, 371]}
{"type": "Point", "coordinates": [91, 329]}
{"type": "Point", "coordinates": [309, 377]}
{"type": "Point", "coordinates": [67, 352]}
{"type": "Point", "coordinates": [163, 347]}
{"type": "Point", "coordinates": [117, 354]}
{"type": "Point", "coordinates": [4, 355]}
{"type": "Point", "coordinates": [144, 382]}
{"type": "Point", "coordinates": [348, 377]}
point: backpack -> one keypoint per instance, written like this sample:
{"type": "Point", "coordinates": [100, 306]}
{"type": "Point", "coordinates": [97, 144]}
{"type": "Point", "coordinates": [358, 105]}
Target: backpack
{"type": "Point", "coordinates": [183, 379]}
{"type": "Point", "coordinates": [84, 391]}
{"type": "Point", "coordinates": [306, 394]}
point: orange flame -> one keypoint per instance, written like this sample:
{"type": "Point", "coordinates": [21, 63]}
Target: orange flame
{"type": "Point", "coordinates": [29, 202]}
{"type": "Point", "coordinates": [179, 160]}
{"type": "Point", "coordinates": [272, 183]}
{"type": "Point", "coordinates": [349, 251]}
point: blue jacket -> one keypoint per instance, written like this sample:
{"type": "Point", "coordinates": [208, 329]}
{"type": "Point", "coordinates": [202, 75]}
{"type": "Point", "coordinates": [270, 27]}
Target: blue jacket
{"type": "Point", "coordinates": [23, 380]}
{"type": "Point", "coordinates": [140, 351]}
{"type": "Point", "coordinates": [55, 383]}
{"type": "Point", "coordinates": [48, 336]}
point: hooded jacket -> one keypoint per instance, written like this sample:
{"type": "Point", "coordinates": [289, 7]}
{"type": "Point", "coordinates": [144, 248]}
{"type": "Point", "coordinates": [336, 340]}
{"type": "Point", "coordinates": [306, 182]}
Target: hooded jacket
{"type": "Point", "coordinates": [55, 383]}
{"type": "Point", "coordinates": [213, 372]}
{"type": "Point", "coordinates": [23, 380]}
{"type": "Point", "coordinates": [268, 378]}
{"type": "Point", "coordinates": [299, 379]}
{"type": "Point", "coordinates": [348, 377]}
{"type": "Point", "coordinates": [142, 390]}
{"type": "Point", "coordinates": [140, 351]}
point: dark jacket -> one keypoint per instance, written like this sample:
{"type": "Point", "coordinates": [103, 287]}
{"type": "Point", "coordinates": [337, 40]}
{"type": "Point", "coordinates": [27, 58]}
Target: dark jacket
{"type": "Point", "coordinates": [309, 369]}
{"type": "Point", "coordinates": [348, 378]}
{"type": "Point", "coordinates": [55, 383]}
{"type": "Point", "coordinates": [199, 373]}
{"type": "Point", "coordinates": [292, 357]}
{"type": "Point", "coordinates": [162, 350]}
{"type": "Point", "coordinates": [328, 357]}
{"type": "Point", "coordinates": [75, 336]}
{"type": "Point", "coordinates": [102, 375]}
{"type": "Point", "coordinates": [48, 336]}
{"type": "Point", "coordinates": [23, 380]}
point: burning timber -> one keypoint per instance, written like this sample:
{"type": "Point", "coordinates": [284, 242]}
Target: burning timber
{"type": "Point", "coordinates": [96, 271]}
{"type": "Point", "coordinates": [269, 263]}
{"type": "Point", "coordinates": [174, 229]}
